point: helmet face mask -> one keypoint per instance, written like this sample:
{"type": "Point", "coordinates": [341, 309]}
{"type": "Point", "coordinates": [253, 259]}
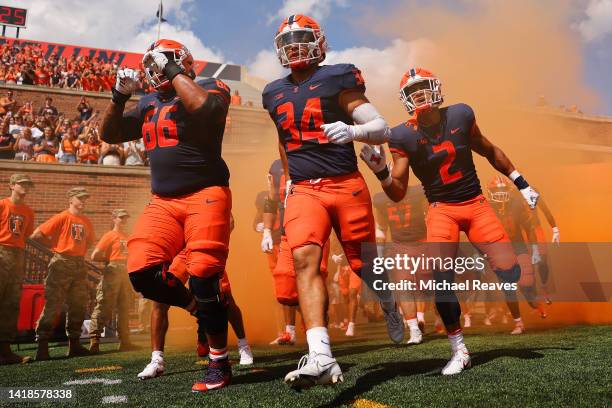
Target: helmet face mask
{"type": "Point", "coordinates": [499, 191]}
{"type": "Point", "coordinates": [300, 44]}
{"type": "Point", "coordinates": [174, 51]}
{"type": "Point", "coordinates": [421, 94]}
{"type": "Point", "coordinates": [499, 196]}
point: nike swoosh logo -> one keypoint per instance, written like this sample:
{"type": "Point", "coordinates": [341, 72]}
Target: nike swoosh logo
{"type": "Point", "coordinates": [209, 201]}
{"type": "Point", "coordinates": [453, 131]}
{"type": "Point", "coordinates": [313, 87]}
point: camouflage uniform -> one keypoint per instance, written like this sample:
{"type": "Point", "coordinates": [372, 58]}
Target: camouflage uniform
{"type": "Point", "coordinates": [114, 293]}
{"type": "Point", "coordinates": [11, 277]}
{"type": "Point", "coordinates": [66, 282]}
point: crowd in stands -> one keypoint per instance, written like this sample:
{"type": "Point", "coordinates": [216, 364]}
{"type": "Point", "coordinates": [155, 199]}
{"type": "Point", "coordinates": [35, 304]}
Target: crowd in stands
{"type": "Point", "coordinates": [28, 66]}
{"type": "Point", "coordinates": [43, 134]}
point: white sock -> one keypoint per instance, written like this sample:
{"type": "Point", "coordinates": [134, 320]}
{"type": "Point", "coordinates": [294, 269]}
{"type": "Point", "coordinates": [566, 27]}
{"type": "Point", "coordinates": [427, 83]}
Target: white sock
{"type": "Point", "coordinates": [243, 342]}
{"type": "Point", "coordinates": [413, 324]}
{"type": "Point", "coordinates": [290, 329]}
{"type": "Point", "coordinates": [318, 341]}
{"type": "Point", "coordinates": [217, 354]}
{"type": "Point", "coordinates": [518, 320]}
{"type": "Point", "coordinates": [421, 316]}
{"type": "Point", "coordinates": [351, 325]}
{"type": "Point", "coordinates": [157, 355]}
{"type": "Point", "coordinates": [456, 340]}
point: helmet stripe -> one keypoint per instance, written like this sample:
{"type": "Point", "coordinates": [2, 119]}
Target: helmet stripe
{"type": "Point", "coordinates": [412, 72]}
{"type": "Point", "coordinates": [291, 20]}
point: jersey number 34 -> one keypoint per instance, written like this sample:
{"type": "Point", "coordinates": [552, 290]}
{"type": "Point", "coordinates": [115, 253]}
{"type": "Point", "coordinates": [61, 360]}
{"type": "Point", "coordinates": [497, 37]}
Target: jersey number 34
{"type": "Point", "coordinates": [308, 127]}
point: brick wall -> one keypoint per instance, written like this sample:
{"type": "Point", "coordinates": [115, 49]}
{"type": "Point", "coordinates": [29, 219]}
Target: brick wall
{"type": "Point", "coordinates": [110, 187]}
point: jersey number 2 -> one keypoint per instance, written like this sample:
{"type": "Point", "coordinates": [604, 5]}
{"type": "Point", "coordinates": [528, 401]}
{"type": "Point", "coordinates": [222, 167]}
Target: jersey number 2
{"type": "Point", "coordinates": [310, 123]}
{"type": "Point", "coordinates": [449, 147]}
{"type": "Point", "coordinates": [162, 132]}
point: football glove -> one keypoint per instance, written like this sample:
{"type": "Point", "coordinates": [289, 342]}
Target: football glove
{"type": "Point", "coordinates": [339, 132]}
{"type": "Point", "coordinates": [266, 240]}
{"type": "Point", "coordinates": [155, 60]}
{"type": "Point", "coordinates": [125, 85]}
{"type": "Point", "coordinates": [531, 196]}
{"type": "Point", "coordinates": [337, 259]}
{"type": "Point", "coordinates": [259, 227]}
{"type": "Point", "coordinates": [374, 157]}
{"type": "Point", "coordinates": [556, 238]}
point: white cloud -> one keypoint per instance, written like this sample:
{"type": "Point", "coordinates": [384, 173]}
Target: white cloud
{"type": "Point", "coordinates": [317, 9]}
{"type": "Point", "coordinates": [113, 24]}
{"type": "Point", "coordinates": [598, 22]}
{"type": "Point", "coordinates": [266, 66]}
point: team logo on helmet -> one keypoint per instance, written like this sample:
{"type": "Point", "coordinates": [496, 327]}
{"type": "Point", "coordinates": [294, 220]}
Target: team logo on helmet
{"type": "Point", "coordinates": [420, 90]}
{"type": "Point", "coordinates": [175, 51]}
{"type": "Point", "coordinates": [300, 42]}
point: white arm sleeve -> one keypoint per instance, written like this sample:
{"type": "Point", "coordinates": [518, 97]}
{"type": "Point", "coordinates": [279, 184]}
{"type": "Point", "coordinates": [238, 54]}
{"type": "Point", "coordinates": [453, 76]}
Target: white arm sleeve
{"type": "Point", "coordinates": [371, 127]}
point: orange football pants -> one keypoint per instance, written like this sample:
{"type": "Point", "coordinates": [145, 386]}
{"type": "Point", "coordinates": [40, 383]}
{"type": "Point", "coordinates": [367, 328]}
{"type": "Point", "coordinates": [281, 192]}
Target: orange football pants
{"type": "Point", "coordinates": [285, 284]}
{"type": "Point", "coordinates": [198, 222]}
{"type": "Point", "coordinates": [178, 268]}
{"type": "Point", "coordinates": [477, 219]}
{"type": "Point", "coordinates": [343, 203]}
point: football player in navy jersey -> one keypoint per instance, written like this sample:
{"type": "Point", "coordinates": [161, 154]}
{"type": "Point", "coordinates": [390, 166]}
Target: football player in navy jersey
{"type": "Point", "coordinates": [437, 143]}
{"type": "Point", "coordinates": [319, 110]}
{"type": "Point", "coordinates": [182, 128]}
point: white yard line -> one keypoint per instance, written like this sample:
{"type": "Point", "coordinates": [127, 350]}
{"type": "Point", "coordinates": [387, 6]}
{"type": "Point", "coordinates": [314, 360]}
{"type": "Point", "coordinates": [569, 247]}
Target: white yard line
{"type": "Point", "coordinates": [103, 381]}
{"type": "Point", "coordinates": [114, 399]}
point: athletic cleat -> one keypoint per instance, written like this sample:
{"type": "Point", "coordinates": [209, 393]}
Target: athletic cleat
{"type": "Point", "coordinates": [416, 337]}
{"type": "Point", "coordinates": [154, 369]}
{"type": "Point", "coordinates": [395, 322]}
{"type": "Point", "coordinates": [519, 328]}
{"type": "Point", "coordinates": [467, 321]}
{"type": "Point", "coordinates": [218, 375]}
{"type": "Point", "coordinates": [350, 330]}
{"type": "Point", "coordinates": [246, 355]}
{"type": "Point", "coordinates": [422, 326]}
{"type": "Point", "coordinates": [285, 339]}
{"type": "Point", "coordinates": [315, 369]}
{"type": "Point", "coordinates": [202, 349]}
{"type": "Point", "coordinates": [460, 360]}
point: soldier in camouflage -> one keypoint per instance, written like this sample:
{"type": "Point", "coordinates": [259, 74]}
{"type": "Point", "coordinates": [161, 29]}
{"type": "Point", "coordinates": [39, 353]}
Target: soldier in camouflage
{"type": "Point", "coordinates": [68, 234]}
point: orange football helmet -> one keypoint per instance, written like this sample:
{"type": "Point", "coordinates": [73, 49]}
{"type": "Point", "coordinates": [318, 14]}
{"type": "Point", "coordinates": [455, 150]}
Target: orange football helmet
{"type": "Point", "coordinates": [176, 52]}
{"type": "Point", "coordinates": [420, 90]}
{"type": "Point", "coordinates": [499, 189]}
{"type": "Point", "coordinates": [300, 42]}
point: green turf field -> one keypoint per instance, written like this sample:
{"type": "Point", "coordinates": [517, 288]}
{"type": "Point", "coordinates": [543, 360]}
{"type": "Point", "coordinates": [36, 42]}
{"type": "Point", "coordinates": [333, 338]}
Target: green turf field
{"type": "Point", "coordinates": [559, 367]}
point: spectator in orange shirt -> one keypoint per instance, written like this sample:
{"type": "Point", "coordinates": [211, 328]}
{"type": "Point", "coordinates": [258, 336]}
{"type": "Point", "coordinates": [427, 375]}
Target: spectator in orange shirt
{"type": "Point", "coordinates": [68, 234]}
{"type": "Point", "coordinates": [115, 289]}
{"type": "Point", "coordinates": [90, 152]}
{"type": "Point", "coordinates": [47, 148]}
{"type": "Point", "coordinates": [16, 223]}
{"type": "Point", "coordinates": [69, 146]}
{"type": "Point", "coordinates": [236, 98]}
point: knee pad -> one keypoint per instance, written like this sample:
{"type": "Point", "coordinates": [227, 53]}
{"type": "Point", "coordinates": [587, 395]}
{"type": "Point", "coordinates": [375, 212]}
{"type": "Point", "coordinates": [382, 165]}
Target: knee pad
{"type": "Point", "coordinates": [446, 300]}
{"type": "Point", "coordinates": [211, 306]}
{"type": "Point", "coordinates": [157, 284]}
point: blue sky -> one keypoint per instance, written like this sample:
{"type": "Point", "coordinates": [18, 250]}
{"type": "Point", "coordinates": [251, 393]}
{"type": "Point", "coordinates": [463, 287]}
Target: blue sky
{"type": "Point", "coordinates": [242, 31]}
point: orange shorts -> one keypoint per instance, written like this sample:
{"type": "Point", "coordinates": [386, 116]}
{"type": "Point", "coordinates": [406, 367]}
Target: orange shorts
{"type": "Point", "coordinates": [178, 268]}
{"type": "Point", "coordinates": [198, 222]}
{"type": "Point", "coordinates": [285, 284]}
{"type": "Point", "coordinates": [477, 219]}
{"type": "Point", "coordinates": [348, 281]}
{"type": "Point", "coordinates": [343, 203]}
{"type": "Point", "coordinates": [273, 257]}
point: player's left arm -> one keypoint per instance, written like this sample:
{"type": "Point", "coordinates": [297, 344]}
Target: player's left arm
{"type": "Point", "coordinates": [370, 127]}
{"type": "Point", "coordinates": [556, 238]}
{"type": "Point", "coordinates": [498, 159]}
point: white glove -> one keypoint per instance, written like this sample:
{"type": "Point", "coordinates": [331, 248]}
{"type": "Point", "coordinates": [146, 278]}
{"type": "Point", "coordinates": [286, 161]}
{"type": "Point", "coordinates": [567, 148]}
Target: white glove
{"type": "Point", "coordinates": [535, 255]}
{"type": "Point", "coordinates": [531, 196]}
{"type": "Point", "coordinates": [155, 60]}
{"type": "Point", "coordinates": [287, 192]}
{"type": "Point", "coordinates": [127, 81]}
{"type": "Point", "coordinates": [374, 157]}
{"type": "Point", "coordinates": [339, 132]}
{"type": "Point", "coordinates": [266, 240]}
{"type": "Point", "coordinates": [259, 227]}
{"type": "Point", "coordinates": [556, 236]}
{"type": "Point", "coordinates": [337, 259]}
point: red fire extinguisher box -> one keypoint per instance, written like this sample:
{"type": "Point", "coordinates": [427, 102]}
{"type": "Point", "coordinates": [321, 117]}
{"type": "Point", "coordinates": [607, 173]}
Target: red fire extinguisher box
{"type": "Point", "coordinates": [31, 305]}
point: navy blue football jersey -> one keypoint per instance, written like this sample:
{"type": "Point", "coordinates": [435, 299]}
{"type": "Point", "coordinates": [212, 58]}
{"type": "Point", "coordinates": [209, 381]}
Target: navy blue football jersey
{"type": "Point", "coordinates": [406, 219]}
{"type": "Point", "coordinates": [517, 219]}
{"type": "Point", "coordinates": [299, 110]}
{"type": "Point", "coordinates": [184, 150]}
{"type": "Point", "coordinates": [441, 157]}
